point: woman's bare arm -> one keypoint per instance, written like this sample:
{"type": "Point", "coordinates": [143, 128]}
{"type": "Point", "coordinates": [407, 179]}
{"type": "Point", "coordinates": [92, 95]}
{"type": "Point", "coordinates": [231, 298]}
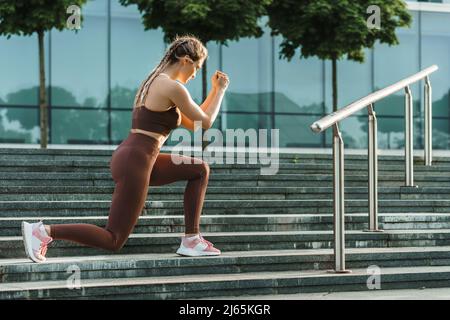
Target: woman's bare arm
{"type": "Point", "coordinates": [216, 98]}
{"type": "Point", "coordinates": [188, 123]}
{"type": "Point", "coordinates": [182, 99]}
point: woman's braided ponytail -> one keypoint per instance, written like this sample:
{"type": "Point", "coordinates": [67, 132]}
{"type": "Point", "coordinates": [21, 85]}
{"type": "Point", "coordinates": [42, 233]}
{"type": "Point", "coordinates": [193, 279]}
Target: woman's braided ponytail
{"type": "Point", "coordinates": [186, 45]}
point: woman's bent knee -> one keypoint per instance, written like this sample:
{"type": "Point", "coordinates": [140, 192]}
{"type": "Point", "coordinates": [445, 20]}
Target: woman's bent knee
{"type": "Point", "coordinates": [116, 243]}
{"type": "Point", "coordinates": [116, 246]}
{"type": "Point", "coordinates": [205, 169]}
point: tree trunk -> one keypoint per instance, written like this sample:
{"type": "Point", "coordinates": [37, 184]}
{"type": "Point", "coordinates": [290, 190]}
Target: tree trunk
{"type": "Point", "coordinates": [204, 81]}
{"type": "Point", "coordinates": [204, 95]}
{"type": "Point", "coordinates": [335, 89]}
{"type": "Point", "coordinates": [389, 140]}
{"type": "Point", "coordinates": [42, 93]}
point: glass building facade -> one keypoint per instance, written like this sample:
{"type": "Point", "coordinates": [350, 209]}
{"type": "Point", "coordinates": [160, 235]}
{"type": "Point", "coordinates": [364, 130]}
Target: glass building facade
{"type": "Point", "coordinates": [92, 77]}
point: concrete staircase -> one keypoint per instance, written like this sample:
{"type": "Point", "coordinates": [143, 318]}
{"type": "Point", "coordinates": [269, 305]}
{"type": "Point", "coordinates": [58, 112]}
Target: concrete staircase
{"type": "Point", "coordinates": [275, 231]}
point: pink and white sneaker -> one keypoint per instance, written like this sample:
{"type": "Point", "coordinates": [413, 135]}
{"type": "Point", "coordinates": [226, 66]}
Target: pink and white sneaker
{"type": "Point", "coordinates": [196, 246]}
{"type": "Point", "coordinates": [35, 240]}
{"type": "Point", "coordinates": [203, 239]}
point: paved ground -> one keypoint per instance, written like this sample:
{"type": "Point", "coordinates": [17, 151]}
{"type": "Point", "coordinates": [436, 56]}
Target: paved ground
{"type": "Point", "coordinates": [407, 294]}
{"type": "Point", "coordinates": [348, 151]}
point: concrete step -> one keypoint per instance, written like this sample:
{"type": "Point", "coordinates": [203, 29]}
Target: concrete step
{"type": "Point", "coordinates": [387, 294]}
{"type": "Point", "coordinates": [275, 231]}
{"type": "Point", "coordinates": [12, 247]}
{"type": "Point", "coordinates": [75, 193]}
{"type": "Point", "coordinates": [197, 286]}
{"type": "Point", "coordinates": [103, 166]}
{"type": "Point", "coordinates": [217, 207]}
{"type": "Point", "coordinates": [161, 265]}
{"type": "Point", "coordinates": [242, 223]}
{"type": "Point", "coordinates": [80, 154]}
{"type": "Point", "coordinates": [225, 180]}
{"type": "Point", "coordinates": [11, 226]}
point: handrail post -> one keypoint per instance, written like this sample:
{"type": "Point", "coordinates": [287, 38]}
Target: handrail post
{"type": "Point", "coordinates": [339, 220]}
{"type": "Point", "coordinates": [428, 123]}
{"type": "Point", "coordinates": [333, 119]}
{"type": "Point", "coordinates": [373, 171]}
{"type": "Point", "coordinates": [409, 138]}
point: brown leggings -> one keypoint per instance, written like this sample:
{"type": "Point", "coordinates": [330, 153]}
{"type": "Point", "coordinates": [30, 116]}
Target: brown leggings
{"type": "Point", "coordinates": [136, 164]}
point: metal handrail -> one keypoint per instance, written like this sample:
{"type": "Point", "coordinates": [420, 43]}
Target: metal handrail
{"type": "Point", "coordinates": [338, 152]}
{"type": "Point", "coordinates": [354, 107]}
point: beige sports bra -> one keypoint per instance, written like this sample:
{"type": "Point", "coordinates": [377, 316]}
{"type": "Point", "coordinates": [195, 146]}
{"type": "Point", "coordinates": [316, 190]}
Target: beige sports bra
{"type": "Point", "coordinates": [156, 121]}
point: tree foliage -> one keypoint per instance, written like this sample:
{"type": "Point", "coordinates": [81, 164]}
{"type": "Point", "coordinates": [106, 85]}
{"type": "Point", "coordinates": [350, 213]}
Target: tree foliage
{"type": "Point", "coordinates": [218, 20]}
{"type": "Point", "coordinates": [25, 17]}
{"type": "Point", "coordinates": [330, 29]}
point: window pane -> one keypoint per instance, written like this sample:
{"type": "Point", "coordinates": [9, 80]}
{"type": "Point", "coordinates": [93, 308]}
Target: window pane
{"type": "Point", "coordinates": [390, 133]}
{"type": "Point", "coordinates": [353, 132]}
{"type": "Point", "coordinates": [134, 53]}
{"type": "Point", "coordinates": [19, 125]}
{"type": "Point", "coordinates": [441, 134]}
{"type": "Point", "coordinates": [295, 131]}
{"type": "Point", "coordinates": [395, 63]}
{"type": "Point", "coordinates": [298, 83]}
{"type": "Point", "coordinates": [245, 122]}
{"type": "Point", "coordinates": [19, 65]}
{"type": "Point", "coordinates": [80, 60]}
{"type": "Point", "coordinates": [248, 64]}
{"type": "Point", "coordinates": [75, 126]}
{"type": "Point", "coordinates": [120, 125]}
{"type": "Point", "coordinates": [436, 50]}
{"type": "Point", "coordinates": [354, 82]}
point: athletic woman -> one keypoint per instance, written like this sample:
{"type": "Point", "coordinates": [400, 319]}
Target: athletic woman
{"type": "Point", "coordinates": [162, 103]}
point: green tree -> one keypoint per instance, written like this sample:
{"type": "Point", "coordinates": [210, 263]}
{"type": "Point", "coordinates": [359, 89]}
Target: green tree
{"type": "Point", "coordinates": [29, 17]}
{"type": "Point", "coordinates": [218, 20]}
{"type": "Point", "coordinates": [331, 29]}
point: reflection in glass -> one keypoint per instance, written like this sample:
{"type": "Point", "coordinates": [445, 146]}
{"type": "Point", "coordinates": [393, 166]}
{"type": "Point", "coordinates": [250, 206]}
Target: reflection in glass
{"type": "Point", "coordinates": [134, 54]}
{"type": "Point", "coordinates": [120, 124]}
{"type": "Point", "coordinates": [441, 134]}
{"type": "Point", "coordinates": [298, 83]}
{"type": "Point", "coordinates": [19, 125]}
{"type": "Point", "coordinates": [436, 50]}
{"type": "Point", "coordinates": [392, 64]}
{"type": "Point", "coordinates": [19, 78]}
{"type": "Point", "coordinates": [79, 60]}
{"type": "Point", "coordinates": [67, 128]}
{"type": "Point", "coordinates": [77, 73]}
{"type": "Point", "coordinates": [354, 81]}
{"type": "Point", "coordinates": [245, 121]}
{"type": "Point", "coordinates": [248, 63]}
{"type": "Point", "coordinates": [295, 132]}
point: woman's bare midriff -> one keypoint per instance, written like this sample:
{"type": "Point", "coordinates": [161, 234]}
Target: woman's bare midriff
{"type": "Point", "coordinates": [160, 137]}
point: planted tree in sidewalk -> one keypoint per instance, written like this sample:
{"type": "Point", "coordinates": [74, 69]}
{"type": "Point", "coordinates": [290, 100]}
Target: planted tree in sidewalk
{"type": "Point", "coordinates": [218, 20]}
{"type": "Point", "coordinates": [26, 18]}
{"type": "Point", "coordinates": [333, 29]}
